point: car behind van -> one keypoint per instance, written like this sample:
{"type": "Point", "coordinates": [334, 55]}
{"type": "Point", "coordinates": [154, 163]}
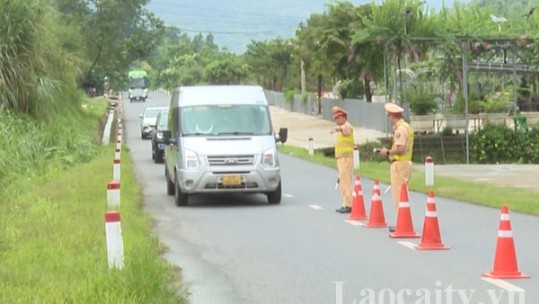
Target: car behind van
{"type": "Point", "coordinates": [220, 140]}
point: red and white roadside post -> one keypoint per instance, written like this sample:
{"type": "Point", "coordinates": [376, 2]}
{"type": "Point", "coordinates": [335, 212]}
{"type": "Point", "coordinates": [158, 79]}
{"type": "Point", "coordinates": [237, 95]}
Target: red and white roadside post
{"type": "Point", "coordinates": [310, 146]}
{"type": "Point", "coordinates": [115, 244]}
{"type": "Point", "coordinates": [117, 153]}
{"type": "Point", "coordinates": [356, 157]}
{"type": "Point", "coordinates": [429, 171]}
{"type": "Point", "coordinates": [113, 194]}
{"type": "Point", "coordinates": [119, 136]}
{"type": "Point", "coordinates": [116, 170]}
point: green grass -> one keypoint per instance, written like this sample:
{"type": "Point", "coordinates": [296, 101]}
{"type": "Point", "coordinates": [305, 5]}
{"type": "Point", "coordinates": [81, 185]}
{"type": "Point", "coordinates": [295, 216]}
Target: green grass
{"type": "Point", "coordinates": [518, 200]}
{"type": "Point", "coordinates": [53, 248]}
{"type": "Point", "coordinates": [53, 198]}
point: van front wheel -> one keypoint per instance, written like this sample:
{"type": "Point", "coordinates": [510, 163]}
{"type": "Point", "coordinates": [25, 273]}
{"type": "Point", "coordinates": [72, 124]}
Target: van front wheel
{"type": "Point", "coordinates": [274, 197]}
{"type": "Point", "coordinates": [180, 199]}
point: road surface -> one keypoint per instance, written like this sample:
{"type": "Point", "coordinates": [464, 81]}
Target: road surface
{"type": "Point", "coordinates": [238, 249]}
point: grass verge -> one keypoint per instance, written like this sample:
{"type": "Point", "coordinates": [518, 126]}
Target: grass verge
{"type": "Point", "coordinates": [524, 201]}
{"type": "Point", "coordinates": [53, 243]}
{"type": "Point", "coordinates": [54, 249]}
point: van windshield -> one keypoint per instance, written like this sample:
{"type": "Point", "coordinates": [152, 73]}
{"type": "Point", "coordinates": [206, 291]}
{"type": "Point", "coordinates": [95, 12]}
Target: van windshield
{"type": "Point", "coordinates": [218, 120]}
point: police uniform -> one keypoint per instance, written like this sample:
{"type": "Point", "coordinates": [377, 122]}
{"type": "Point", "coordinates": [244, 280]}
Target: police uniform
{"type": "Point", "coordinates": [344, 153]}
{"type": "Point", "coordinates": [401, 163]}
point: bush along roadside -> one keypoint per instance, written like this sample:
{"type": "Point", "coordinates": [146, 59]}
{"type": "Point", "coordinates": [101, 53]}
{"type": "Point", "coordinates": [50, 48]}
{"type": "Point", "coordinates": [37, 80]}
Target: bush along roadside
{"type": "Point", "coordinates": [500, 144]}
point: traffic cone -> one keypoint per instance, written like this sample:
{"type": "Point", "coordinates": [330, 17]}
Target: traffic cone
{"type": "Point", "coordinates": [358, 204]}
{"type": "Point", "coordinates": [431, 239]}
{"type": "Point", "coordinates": [404, 227]}
{"type": "Point", "coordinates": [505, 261]}
{"type": "Point", "coordinates": [376, 215]}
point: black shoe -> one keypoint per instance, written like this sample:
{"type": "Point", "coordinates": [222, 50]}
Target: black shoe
{"type": "Point", "coordinates": [391, 228]}
{"type": "Point", "coordinates": [344, 210]}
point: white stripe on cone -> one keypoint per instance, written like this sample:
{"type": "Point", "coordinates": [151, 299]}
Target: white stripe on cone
{"type": "Point", "coordinates": [430, 214]}
{"type": "Point", "coordinates": [404, 205]}
{"type": "Point", "coordinates": [505, 233]}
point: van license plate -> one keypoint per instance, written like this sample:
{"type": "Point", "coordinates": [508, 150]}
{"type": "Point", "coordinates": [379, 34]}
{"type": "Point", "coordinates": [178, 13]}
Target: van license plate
{"type": "Point", "coordinates": [231, 180]}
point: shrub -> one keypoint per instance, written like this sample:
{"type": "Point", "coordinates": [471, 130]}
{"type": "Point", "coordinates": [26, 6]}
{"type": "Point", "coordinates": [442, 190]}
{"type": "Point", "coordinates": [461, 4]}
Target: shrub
{"type": "Point", "coordinates": [459, 106]}
{"type": "Point", "coordinates": [351, 89]}
{"type": "Point", "coordinates": [421, 101]}
{"type": "Point", "coordinates": [289, 95]}
{"type": "Point", "coordinates": [499, 144]}
{"type": "Point", "coordinates": [304, 97]}
{"type": "Point", "coordinates": [447, 131]}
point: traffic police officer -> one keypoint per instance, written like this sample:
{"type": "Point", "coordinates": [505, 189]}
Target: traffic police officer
{"type": "Point", "coordinates": [344, 153]}
{"type": "Point", "coordinates": [400, 153]}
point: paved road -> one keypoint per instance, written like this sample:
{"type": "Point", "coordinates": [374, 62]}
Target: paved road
{"type": "Point", "coordinates": [302, 127]}
{"type": "Point", "coordinates": [238, 249]}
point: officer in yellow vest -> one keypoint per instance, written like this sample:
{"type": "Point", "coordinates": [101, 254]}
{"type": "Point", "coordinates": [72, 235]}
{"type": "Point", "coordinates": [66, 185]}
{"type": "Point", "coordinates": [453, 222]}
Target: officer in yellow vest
{"type": "Point", "coordinates": [344, 153]}
{"type": "Point", "coordinates": [400, 153]}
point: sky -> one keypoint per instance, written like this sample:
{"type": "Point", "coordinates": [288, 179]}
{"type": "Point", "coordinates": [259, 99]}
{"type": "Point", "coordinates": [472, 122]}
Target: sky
{"type": "Point", "coordinates": [235, 23]}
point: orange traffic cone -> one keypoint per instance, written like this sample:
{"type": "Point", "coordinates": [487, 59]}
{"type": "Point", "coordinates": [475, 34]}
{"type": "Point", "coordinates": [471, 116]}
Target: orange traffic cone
{"type": "Point", "coordinates": [358, 204]}
{"type": "Point", "coordinates": [404, 227]}
{"type": "Point", "coordinates": [505, 262]}
{"type": "Point", "coordinates": [376, 216]}
{"type": "Point", "coordinates": [431, 239]}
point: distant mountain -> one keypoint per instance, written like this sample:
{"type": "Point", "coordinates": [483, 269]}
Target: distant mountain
{"type": "Point", "coordinates": [235, 23]}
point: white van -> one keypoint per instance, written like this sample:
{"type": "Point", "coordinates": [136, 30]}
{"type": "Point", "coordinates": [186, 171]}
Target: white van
{"type": "Point", "coordinates": [220, 140]}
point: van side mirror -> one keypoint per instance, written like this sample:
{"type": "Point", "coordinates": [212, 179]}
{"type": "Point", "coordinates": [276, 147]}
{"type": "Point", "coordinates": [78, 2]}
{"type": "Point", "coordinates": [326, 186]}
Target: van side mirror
{"type": "Point", "coordinates": [282, 136]}
{"type": "Point", "coordinates": [140, 115]}
{"type": "Point", "coordinates": [166, 137]}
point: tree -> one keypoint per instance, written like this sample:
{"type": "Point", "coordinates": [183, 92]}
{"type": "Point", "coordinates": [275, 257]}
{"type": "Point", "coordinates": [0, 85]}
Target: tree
{"type": "Point", "coordinates": [226, 69]}
{"type": "Point", "coordinates": [270, 60]}
{"type": "Point", "coordinates": [116, 33]}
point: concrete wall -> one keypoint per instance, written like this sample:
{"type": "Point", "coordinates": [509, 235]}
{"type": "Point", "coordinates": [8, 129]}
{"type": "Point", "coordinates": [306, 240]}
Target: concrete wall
{"type": "Point", "coordinates": [360, 113]}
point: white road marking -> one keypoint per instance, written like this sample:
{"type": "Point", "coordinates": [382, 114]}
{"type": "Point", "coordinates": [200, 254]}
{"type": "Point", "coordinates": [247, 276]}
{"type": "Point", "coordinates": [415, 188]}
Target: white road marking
{"type": "Point", "coordinates": [287, 195]}
{"type": "Point", "coordinates": [316, 207]}
{"type": "Point", "coordinates": [503, 284]}
{"type": "Point", "coordinates": [354, 223]}
{"type": "Point", "coordinates": [407, 244]}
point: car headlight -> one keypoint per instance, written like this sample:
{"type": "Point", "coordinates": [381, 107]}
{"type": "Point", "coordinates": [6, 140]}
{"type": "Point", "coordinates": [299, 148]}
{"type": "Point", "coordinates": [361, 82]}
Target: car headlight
{"type": "Point", "coordinates": [190, 160]}
{"type": "Point", "coordinates": [268, 158]}
{"type": "Point", "coordinates": [159, 135]}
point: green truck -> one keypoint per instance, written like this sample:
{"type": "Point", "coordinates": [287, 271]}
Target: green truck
{"type": "Point", "coordinates": [138, 85]}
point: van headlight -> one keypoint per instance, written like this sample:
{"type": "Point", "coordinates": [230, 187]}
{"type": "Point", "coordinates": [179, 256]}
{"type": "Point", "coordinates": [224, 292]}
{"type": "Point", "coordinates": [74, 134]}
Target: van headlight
{"type": "Point", "coordinates": [268, 158]}
{"type": "Point", "coordinates": [190, 160]}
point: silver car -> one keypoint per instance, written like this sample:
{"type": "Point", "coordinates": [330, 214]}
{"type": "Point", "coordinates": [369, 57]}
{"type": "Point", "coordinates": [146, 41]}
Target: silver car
{"type": "Point", "coordinates": [147, 120]}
